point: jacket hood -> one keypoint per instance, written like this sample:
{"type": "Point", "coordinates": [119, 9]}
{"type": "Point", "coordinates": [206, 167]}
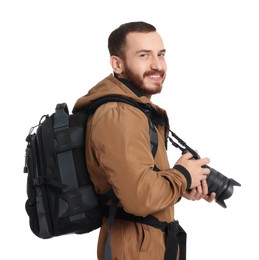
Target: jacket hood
{"type": "Point", "coordinates": [111, 85]}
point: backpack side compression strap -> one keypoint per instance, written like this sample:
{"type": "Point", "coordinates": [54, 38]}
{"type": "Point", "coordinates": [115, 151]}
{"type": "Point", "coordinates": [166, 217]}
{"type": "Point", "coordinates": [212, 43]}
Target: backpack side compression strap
{"type": "Point", "coordinates": [65, 159]}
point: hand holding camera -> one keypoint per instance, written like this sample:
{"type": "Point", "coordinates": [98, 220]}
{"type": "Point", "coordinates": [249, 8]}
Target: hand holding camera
{"type": "Point", "coordinates": [194, 167]}
{"type": "Point", "coordinates": [217, 183]}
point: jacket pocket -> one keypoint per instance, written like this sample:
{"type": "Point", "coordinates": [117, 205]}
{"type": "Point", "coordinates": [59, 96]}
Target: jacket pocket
{"type": "Point", "coordinates": [145, 238]}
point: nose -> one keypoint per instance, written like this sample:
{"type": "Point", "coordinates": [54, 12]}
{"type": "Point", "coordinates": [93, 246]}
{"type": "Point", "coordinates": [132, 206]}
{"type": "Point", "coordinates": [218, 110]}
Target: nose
{"type": "Point", "coordinates": [156, 63]}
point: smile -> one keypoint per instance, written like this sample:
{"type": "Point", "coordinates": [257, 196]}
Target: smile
{"type": "Point", "coordinates": [155, 77]}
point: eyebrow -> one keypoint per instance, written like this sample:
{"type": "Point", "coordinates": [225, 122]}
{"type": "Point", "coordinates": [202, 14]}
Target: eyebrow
{"type": "Point", "coordinates": [144, 50]}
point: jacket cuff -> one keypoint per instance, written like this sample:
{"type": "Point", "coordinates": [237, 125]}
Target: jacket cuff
{"type": "Point", "coordinates": [185, 173]}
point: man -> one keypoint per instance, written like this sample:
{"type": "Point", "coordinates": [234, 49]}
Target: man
{"type": "Point", "coordinates": [119, 155]}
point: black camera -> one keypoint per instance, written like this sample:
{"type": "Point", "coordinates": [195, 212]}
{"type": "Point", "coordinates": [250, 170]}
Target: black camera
{"type": "Point", "coordinates": [217, 182]}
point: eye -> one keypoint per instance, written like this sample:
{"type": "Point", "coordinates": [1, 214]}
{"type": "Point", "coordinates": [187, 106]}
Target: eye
{"type": "Point", "coordinates": [144, 55]}
{"type": "Point", "coordinates": [162, 54]}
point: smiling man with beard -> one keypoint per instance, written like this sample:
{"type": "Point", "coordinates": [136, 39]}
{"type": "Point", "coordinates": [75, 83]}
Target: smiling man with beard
{"type": "Point", "coordinates": [120, 160]}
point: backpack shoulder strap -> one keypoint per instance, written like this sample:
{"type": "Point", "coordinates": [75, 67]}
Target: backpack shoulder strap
{"type": "Point", "coordinates": [143, 107]}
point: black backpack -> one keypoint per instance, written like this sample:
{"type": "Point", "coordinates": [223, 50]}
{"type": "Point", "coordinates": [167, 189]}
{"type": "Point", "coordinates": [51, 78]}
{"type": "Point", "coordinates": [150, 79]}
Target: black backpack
{"type": "Point", "coordinates": [61, 198]}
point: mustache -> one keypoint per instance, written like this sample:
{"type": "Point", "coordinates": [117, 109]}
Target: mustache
{"type": "Point", "coordinates": [152, 72]}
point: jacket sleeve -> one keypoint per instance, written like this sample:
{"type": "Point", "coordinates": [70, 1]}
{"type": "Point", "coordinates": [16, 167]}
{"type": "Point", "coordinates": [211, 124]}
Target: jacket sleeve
{"type": "Point", "coordinates": [120, 145]}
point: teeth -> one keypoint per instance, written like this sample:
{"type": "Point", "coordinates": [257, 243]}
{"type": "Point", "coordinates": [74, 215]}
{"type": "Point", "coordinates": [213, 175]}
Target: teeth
{"type": "Point", "coordinates": [154, 76]}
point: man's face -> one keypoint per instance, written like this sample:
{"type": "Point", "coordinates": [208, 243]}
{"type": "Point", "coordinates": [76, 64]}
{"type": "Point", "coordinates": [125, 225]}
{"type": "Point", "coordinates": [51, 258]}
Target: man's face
{"type": "Point", "coordinates": [144, 62]}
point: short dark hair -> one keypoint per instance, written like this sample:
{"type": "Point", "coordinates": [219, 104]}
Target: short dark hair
{"type": "Point", "coordinates": [116, 40]}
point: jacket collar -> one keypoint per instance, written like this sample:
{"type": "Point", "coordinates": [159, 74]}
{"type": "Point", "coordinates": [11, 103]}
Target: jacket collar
{"type": "Point", "coordinates": [133, 88]}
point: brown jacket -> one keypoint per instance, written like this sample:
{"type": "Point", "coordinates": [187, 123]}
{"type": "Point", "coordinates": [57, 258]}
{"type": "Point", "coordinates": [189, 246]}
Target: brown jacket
{"type": "Point", "coordinates": [119, 156]}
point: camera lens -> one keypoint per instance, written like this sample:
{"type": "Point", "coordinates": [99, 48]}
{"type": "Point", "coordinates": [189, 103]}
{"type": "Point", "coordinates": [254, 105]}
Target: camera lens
{"type": "Point", "coordinates": [221, 185]}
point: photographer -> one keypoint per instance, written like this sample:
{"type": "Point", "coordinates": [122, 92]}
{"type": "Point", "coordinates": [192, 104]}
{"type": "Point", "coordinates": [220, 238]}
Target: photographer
{"type": "Point", "coordinates": [119, 155]}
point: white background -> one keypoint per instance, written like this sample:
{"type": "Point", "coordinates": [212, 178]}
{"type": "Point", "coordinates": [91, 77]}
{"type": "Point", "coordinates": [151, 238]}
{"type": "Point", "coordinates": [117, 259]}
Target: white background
{"type": "Point", "coordinates": [54, 51]}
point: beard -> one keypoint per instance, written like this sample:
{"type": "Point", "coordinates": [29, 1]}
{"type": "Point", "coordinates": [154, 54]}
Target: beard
{"type": "Point", "coordinates": [138, 81]}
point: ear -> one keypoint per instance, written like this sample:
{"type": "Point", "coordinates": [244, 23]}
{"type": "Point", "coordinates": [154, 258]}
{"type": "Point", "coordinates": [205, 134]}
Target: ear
{"type": "Point", "coordinates": [117, 64]}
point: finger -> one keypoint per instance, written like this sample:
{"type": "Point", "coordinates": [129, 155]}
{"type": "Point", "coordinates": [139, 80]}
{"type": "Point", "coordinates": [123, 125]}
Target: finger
{"type": "Point", "coordinates": [204, 161]}
{"type": "Point", "coordinates": [187, 156]}
{"type": "Point", "coordinates": [192, 193]}
{"type": "Point", "coordinates": [199, 193]}
{"type": "Point", "coordinates": [206, 170]}
{"type": "Point", "coordinates": [210, 197]}
{"type": "Point", "coordinates": [199, 189]}
{"type": "Point", "coordinates": [204, 186]}
{"type": "Point", "coordinates": [203, 176]}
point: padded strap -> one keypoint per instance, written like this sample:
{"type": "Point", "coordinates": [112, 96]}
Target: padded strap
{"type": "Point", "coordinates": [145, 108]}
{"type": "Point", "coordinates": [153, 137]}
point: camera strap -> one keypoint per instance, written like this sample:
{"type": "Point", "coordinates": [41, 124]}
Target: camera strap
{"type": "Point", "coordinates": [180, 144]}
